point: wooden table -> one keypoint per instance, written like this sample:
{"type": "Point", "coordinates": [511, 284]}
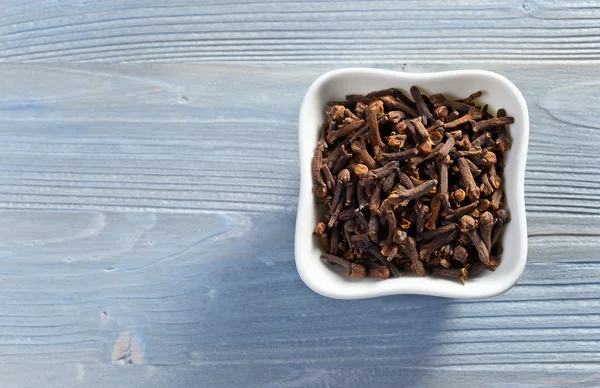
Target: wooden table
{"type": "Point", "coordinates": [148, 206]}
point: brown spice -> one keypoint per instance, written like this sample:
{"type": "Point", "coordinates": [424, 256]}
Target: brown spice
{"type": "Point", "coordinates": [397, 175]}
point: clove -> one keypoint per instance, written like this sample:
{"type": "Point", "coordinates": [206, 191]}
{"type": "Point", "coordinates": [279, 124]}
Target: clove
{"type": "Point", "coordinates": [469, 227]}
{"type": "Point", "coordinates": [411, 184]}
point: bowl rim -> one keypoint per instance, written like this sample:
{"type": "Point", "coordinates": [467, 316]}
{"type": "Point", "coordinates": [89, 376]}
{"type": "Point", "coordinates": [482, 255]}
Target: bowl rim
{"type": "Point", "coordinates": [517, 210]}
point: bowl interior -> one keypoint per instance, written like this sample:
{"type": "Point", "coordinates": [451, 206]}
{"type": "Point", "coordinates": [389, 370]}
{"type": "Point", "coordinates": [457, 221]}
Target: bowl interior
{"type": "Point", "coordinates": [498, 93]}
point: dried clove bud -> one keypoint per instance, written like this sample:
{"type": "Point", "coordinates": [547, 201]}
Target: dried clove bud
{"type": "Point", "coordinates": [467, 179]}
{"type": "Point", "coordinates": [398, 156]}
{"type": "Point", "coordinates": [321, 231]}
{"type": "Point", "coordinates": [486, 223]}
{"type": "Point", "coordinates": [357, 271]}
{"type": "Point", "coordinates": [499, 121]}
{"type": "Point", "coordinates": [441, 112]}
{"type": "Point", "coordinates": [380, 272]}
{"type": "Point", "coordinates": [392, 103]}
{"type": "Point", "coordinates": [345, 130]}
{"type": "Point", "coordinates": [409, 249]}
{"type": "Point", "coordinates": [460, 254]}
{"type": "Point", "coordinates": [502, 218]}
{"type": "Point", "coordinates": [363, 156]}
{"type": "Point", "coordinates": [421, 105]}
{"type": "Point", "coordinates": [375, 111]}
{"type": "Point", "coordinates": [436, 204]}
{"type": "Point", "coordinates": [430, 234]}
{"type": "Point", "coordinates": [460, 274]}
{"type": "Point", "coordinates": [389, 182]}
{"type": "Point", "coordinates": [473, 115]}
{"type": "Point", "coordinates": [459, 195]}
{"type": "Point", "coordinates": [381, 172]}
{"type": "Point", "coordinates": [454, 214]}
{"type": "Point", "coordinates": [427, 250]}
{"type": "Point", "coordinates": [333, 259]}
{"type": "Point", "coordinates": [469, 227]}
{"type": "Point", "coordinates": [422, 215]}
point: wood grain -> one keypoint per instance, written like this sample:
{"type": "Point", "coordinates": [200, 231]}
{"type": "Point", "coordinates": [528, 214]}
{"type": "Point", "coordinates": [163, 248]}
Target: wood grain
{"type": "Point", "coordinates": [139, 137]}
{"type": "Point", "coordinates": [148, 240]}
{"type": "Point", "coordinates": [148, 209]}
{"type": "Point", "coordinates": [276, 31]}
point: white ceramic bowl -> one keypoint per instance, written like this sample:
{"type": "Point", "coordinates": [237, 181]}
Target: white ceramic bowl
{"type": "Point", "coordinates": [498, 93]}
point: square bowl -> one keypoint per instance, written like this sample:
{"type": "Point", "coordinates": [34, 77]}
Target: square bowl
{"type": "Point", "coordinates": [498, 93]}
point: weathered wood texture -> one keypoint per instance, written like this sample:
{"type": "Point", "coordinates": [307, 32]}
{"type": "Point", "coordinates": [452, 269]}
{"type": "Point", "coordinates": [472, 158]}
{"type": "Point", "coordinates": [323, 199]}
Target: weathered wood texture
{"type": "Point", "coordinates": [144, 225]}
{"type": "Point", "coordinates": [148, 210]}
{"type": "Point", "coordinates": [411, 31]}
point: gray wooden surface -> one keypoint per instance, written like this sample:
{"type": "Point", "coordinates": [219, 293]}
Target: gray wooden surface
{"type": "Point", "coordinates": [148, 209]}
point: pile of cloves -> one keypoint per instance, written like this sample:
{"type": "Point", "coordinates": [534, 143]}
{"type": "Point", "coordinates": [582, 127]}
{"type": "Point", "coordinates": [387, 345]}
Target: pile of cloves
{"type": "Point", "coordinates": [411, 184]}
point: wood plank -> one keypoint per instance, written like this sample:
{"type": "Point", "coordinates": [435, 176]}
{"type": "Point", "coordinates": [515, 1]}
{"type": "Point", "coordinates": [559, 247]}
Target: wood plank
{"type": "Point", "coordinates": [276, 31]}
{"type": "Point", "coordinates": [55, 376]}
